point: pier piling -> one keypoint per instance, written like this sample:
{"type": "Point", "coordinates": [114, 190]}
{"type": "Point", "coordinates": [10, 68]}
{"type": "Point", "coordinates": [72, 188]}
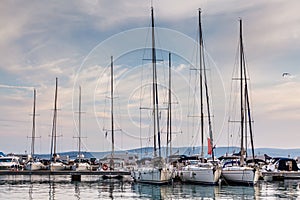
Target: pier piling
{"type": "Point", "coordinates": [75, 177]}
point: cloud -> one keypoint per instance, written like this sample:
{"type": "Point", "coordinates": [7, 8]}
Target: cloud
{"type": "Point", "coordinates": [15, 87]}
{"type": "Point", "coordinates": [279, 101]}
{"type": "Point", "coordinates": [43, 40]}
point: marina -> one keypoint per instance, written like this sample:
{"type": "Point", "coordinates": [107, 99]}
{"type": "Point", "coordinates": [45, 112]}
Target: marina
{"type": "Point", "coordinates": [230, 169]}
{"type": "Point", "coordinates": [149, 112]}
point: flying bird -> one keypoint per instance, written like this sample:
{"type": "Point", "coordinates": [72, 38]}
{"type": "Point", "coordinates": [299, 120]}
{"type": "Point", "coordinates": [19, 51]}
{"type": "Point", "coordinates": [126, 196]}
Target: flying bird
{"type": "Point", "coordinates": [285, 74]}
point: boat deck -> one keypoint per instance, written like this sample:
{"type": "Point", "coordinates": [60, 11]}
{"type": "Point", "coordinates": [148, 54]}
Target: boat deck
{"type": "Point", "coordinates": [281, 175]}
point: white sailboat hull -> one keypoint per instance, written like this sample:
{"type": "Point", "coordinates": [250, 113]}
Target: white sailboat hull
{"type": "Point", "coordinates": [153, 175]}
{"type": "Point", "coordinates": [82, 167]}
{"type": "Point", "coordinates": [57, 166]}
{"type": "Point", "coordinates": [240, 175]}
{"type": "Point", "coordinates": [33, 166]}
{"type": "Point", "coordinates": [201, 175]}
{"type": "Point", "coordinates": [9, 163]}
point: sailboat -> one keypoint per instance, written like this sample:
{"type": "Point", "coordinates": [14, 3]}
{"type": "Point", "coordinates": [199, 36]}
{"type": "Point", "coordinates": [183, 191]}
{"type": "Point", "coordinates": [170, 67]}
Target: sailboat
{"type": "Point", "coordinates": [200, 171]}
{"type": "Point", "coordinates": [81, 164]}
{"type": "Point", "coordinates": [56, 164]}
{"type": "Point", "coordinates": [33, 164]}
{"type": "Point", "coordinates": [156, 172]}
{"type": "Point", "coordinates": [236, 171]}
{"type": "Point", "coordinates": [112, 163]}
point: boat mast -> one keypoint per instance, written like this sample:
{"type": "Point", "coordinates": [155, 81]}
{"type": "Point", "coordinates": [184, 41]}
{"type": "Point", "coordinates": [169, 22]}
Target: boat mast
{"type": "Point", "coordinates": [156, 127]}
{"type": "Point", "coordinates": [201, 57]}
{"type": "Point", "coordinates": [169, 116]}
{"type": "Point", "coordinates": [112, 112]}
{"type": "Point", "coordinates": [207, 101]}
{"type": "Point", "coordinates": [33, 124]}
{"type": "Point", "coordinates": [250, 123]}
{"type": "Point", "coordinates": [203, 75]}
{"type": "Point", "coordinates": [79, 125]}
{"type": "Point", "coordinates": [241, 93]}
{"type": "Point", "coordinates": [247, 105]}
{"type": "Point", "coordinates": [170, 104]}
{"type": "Point", "coordinates": [53, 135]}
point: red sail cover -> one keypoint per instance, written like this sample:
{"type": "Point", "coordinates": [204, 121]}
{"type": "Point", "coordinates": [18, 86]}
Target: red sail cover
{"type": "Point", "coordinates": [209, 147]}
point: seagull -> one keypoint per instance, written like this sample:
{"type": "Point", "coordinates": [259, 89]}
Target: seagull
{"type": "Point", "coordinates": [285, 74]}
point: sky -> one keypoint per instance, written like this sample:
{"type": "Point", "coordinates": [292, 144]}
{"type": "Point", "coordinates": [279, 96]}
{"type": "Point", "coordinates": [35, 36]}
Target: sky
{"type": "Point", "coordinates": [74, 41]}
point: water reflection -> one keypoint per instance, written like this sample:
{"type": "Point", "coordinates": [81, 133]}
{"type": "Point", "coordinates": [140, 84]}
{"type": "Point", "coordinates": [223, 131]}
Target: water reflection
{"type": "Point", "coordinates": [237, 192]}
{"type": "Point", "coordinates": [112, 188]}
{"type": "Point", "coordinates": [280, 189]}
{"type": "Point", "coordinates": [37, 187]}
{"type": "Point", "coordinates": [30, 192]}
{"type": "Point", "coordinates": [52, 187]}
{"type": "Point", "coordinates": [149, 191]}
{"type": "Point", "coordinates": [176, 191]}
{"type": "Point", "coordinates": [195, 191]}
{"type": "Point", "coordinates": [77, 190]}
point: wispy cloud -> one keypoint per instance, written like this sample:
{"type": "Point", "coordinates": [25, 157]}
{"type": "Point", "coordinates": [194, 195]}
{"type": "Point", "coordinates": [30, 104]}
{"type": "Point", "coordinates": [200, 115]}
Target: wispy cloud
{"type": "Point", "coordinates": [16, 87]}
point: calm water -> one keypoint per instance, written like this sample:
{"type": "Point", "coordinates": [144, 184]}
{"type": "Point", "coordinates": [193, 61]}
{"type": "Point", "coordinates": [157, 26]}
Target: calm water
{"type": "Point", "coordinates": [41, 187]}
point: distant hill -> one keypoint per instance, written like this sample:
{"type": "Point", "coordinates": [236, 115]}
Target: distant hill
{"type": "Point", "coordinates": [219, 151]}
{"type": "Point", "coordinates": [278, 152]}
{"type": "Point", "coordinates": [71, 154]}
{"type": "Point", "coordinates": [148, 152]}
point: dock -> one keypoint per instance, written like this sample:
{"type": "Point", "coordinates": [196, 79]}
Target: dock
{"type": "Point", "coordinates": [75, 175]}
